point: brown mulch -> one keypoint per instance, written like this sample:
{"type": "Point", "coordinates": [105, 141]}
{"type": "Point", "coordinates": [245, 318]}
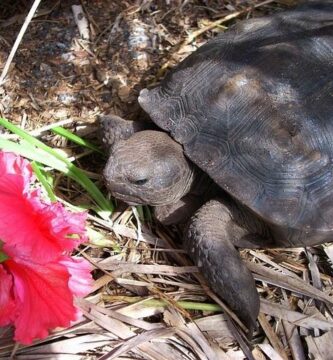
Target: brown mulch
{"type": "Point", "coordinates": [141, 273]}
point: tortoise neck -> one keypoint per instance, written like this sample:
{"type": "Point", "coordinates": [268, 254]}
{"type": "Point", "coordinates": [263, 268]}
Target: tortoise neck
{"type": "Point", "coordinates": [203, 186]}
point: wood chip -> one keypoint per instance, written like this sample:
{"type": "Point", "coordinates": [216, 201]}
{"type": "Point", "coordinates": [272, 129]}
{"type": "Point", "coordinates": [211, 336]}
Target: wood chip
{"type": "Point", "coordinates": [272, 336]}
{"type": "Point", "coordinates": [294, 317]}
{"type": "Point", "coordinates": [270, 352]}
{"type": "Point", "coordinates": [136, 341]}
{"type": "Point", "coordinates": [321, 347]}
{"type": "Point", "coordinates": [287, 282]}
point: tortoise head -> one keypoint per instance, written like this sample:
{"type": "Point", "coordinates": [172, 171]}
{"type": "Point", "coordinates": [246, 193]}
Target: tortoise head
{"type": "Point", "coordinates": [148, 168]}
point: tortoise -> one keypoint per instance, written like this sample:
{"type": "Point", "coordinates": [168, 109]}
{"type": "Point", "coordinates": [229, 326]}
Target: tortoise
{"type": "Point", "coordinates": [242, 149]}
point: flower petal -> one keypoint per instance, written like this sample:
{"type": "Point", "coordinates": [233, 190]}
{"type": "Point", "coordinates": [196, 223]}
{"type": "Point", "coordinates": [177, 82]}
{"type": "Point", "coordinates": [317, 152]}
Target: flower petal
{"type": "Point", "coordinates": [14, 167]}
{"type": "Point", "coordinates": [7, 302]}
{"type": "Point", "coordinates": [43, 298]}
{"type": "Point", "coordinates": [59, 227]}
{"type": "Point", "coordinates": [37, 229]}
{"type": "Point", "coordinates": [80, 281]}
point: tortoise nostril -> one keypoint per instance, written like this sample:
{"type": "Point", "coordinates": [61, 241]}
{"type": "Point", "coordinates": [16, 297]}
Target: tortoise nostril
{"type": "Point", "coordinates": [139, 182]}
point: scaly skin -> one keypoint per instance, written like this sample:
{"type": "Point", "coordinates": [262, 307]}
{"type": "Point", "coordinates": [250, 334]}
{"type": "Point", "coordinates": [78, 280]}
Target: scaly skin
{"type": "Point", "coordinates": [150, 168]}
{"type": "Point", "coordinates": [114, 128]}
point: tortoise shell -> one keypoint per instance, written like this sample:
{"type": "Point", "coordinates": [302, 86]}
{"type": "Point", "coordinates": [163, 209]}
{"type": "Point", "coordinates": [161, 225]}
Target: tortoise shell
{"type": "Point", "coordinates": [253, 108]}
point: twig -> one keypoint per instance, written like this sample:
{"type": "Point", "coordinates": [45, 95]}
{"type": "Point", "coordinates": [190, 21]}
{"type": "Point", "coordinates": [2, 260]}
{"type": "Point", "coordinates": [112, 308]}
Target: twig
{"type": "Point", "coordinates": [18, 40]}
{"type": "Point", "coordinates": [81, 21]}
{"type": "Point", "coordinates": [272, 337]}
{"type": "Point", "coordinates": [13, 353]}
{"type": "Point", "coordinates": [221, 21]}
{"type": "Point", "coordinates": [211, 26]}
{"type": "Point", "coordinates": [137, 218]}
{"type": "Point", "coordinates": [112, 27]}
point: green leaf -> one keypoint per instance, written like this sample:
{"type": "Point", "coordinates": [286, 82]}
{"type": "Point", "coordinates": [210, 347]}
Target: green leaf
{"type": "Point", "coordinates": [41, 177]}
{"type": "Point", "coordinates": [30, 152]}
{"type": "Point", "coordinates": [98, 239]}
{"type": "Point", "coordinates": [139, 208]}
{"type": "Point", "coordinates": [147, 212]}
{"type": "Point", "coordinates": [34, 149]}
{"type": "Point", "coordinates": [76, 139]}
{"type": "Point", "coordinates": [32, 140]}
{"type": "Point", "coordinates": [3, 257]}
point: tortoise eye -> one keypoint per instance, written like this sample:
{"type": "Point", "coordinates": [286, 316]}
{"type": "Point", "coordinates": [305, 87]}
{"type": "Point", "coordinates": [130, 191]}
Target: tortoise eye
{"type": "Point", "coordinates": [139, 182]}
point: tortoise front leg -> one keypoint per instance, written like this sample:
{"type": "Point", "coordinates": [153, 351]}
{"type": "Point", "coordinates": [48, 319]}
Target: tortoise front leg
{"type": "Point", "coordinates": [178, 212]}
{"type": "Point", "coordinates": [210, 240]}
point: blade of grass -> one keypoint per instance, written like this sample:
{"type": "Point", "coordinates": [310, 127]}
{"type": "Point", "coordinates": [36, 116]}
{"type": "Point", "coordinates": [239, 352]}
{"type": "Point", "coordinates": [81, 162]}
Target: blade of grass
{"type": "Point", "coordinates": [28, 151]}
{"type": "Point", "coordinates": [75, 138]}
{"type": "Point", "coordinates": [32, 140]}
{"type": "Point", "coordinates": [40, 176]}
{"type": "Point", "coordinates": [187, 305]}
{"type": "Point", "coordinates": [139, 208]}
{"type": "Point", "coordinates": [148, 215]}
{"type": "Point", "coordinates": [69, 169]}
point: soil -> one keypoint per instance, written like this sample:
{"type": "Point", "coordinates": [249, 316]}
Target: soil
{"type": "Point", "coordinates": [56, 75]}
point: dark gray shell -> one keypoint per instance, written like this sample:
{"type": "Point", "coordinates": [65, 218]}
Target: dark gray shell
{"type": "Point", "coordinates": [253, 108]}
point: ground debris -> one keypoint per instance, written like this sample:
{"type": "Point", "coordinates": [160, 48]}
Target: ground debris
{"type": "Point", "coordinates": [134, 312]}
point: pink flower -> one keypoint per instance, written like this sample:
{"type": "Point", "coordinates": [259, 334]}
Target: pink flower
{"type": "Point", "coordinates": [42, 297]}
{"type": "Point", "coordinates": [15, 172]}
{"type": "Point", "coordinates": [7, 303]}
{"type": "Point", "coordinates": [38, 279]}
{"type": "Point", "coordinates": [29, 223]}
{"type": "Point", "coordinates": [78, 269]}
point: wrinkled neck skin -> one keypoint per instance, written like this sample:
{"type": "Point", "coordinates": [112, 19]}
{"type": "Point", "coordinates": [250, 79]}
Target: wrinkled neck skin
{"type": "Point", "coordinates": [203, 186]}
{"type": "Point", "coordinates": [180, 211]}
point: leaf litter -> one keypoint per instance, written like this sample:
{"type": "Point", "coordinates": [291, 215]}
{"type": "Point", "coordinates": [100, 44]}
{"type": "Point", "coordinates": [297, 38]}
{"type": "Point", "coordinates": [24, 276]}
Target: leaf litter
{"type": "Point", "coordinates": [140, 307]}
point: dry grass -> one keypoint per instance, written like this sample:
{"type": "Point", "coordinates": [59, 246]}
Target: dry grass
{"type": "Point", "coordinates": [148, 301]}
